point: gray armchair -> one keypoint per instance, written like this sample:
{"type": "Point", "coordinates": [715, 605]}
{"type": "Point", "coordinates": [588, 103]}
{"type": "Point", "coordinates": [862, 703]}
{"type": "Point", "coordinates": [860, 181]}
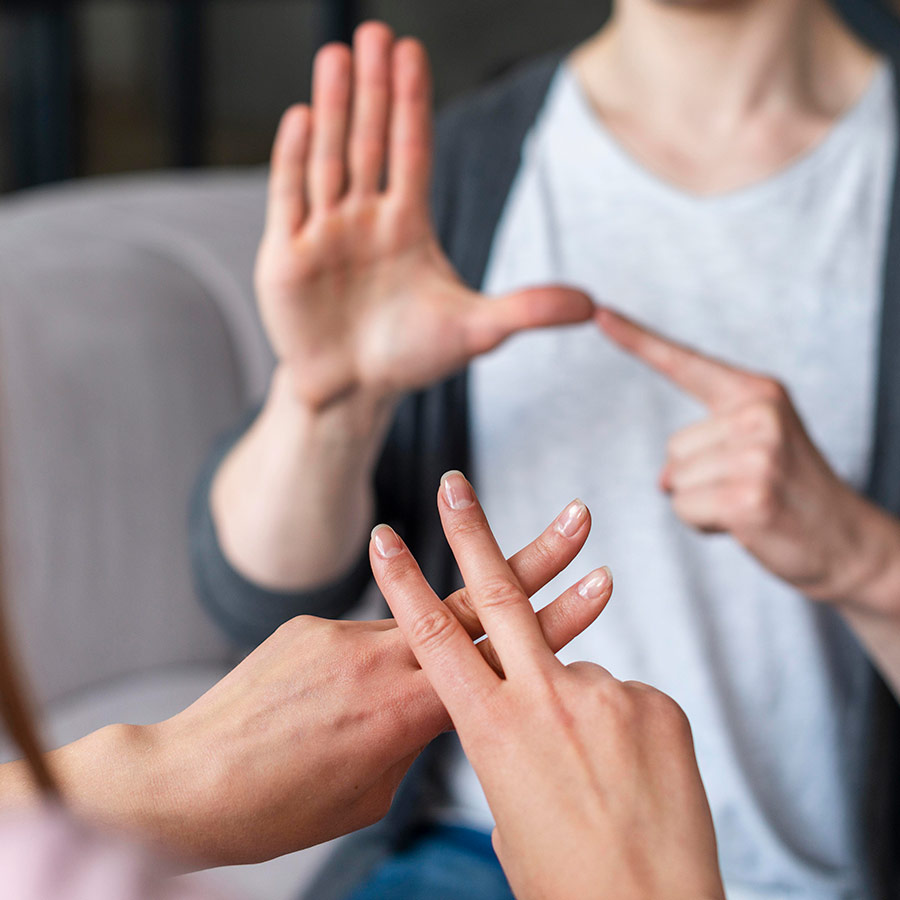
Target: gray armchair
{"type": "Point", "coordinates": [128, 340]}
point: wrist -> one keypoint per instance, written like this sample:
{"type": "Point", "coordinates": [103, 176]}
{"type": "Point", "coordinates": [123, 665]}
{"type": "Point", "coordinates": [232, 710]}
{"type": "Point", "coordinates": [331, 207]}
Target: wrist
{"type": "Point", "coordinates": [293, 501]}
{"type": "Point", "coordinates": [357, 418]}
{"type": "Point", "coordinates": [93, 771]}
{"type": "Point", "coordinates": [866, 577]}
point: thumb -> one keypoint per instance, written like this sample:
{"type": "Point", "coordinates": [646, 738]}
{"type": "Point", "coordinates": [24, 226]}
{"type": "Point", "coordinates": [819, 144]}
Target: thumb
{"type": "Point", "coordinates": [494, 319]}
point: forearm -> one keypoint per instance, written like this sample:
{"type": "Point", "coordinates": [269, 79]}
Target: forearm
{"type": "Point", "coordinates": [120, 777]}
{"type": "Point", "coordinates": [293, 501]}
{"type": "Point", "coordinates": [869, 598]}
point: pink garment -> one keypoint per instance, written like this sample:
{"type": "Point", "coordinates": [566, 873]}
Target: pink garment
{"type": "Point", "coordinates": [47, 855]}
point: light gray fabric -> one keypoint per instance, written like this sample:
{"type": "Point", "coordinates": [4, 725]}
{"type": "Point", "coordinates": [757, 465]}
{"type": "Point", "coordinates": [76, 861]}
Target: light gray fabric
{"type": "Point", "coordinates": [128, 340]}
{"type": "Point", "coordinates": [775, 687]}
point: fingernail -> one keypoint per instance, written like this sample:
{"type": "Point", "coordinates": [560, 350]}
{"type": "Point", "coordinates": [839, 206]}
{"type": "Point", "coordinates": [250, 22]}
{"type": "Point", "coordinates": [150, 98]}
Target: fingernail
{"type": "Point", "coordinates": [595, 584]}
{"type": "Point", "coordinates": [457, 490]}
{"type": "Point", "coordinates": [570, 520]}
{"type": "Point", "coordinates": [387, 544]}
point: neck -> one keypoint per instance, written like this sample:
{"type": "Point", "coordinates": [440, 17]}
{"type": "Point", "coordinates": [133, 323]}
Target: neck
{"type": "Point", "coordinates": [709, 64]}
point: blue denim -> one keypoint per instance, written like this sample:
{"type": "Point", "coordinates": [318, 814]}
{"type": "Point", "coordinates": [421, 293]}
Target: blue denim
{"type": "Point", "coordinates": [445, 862]}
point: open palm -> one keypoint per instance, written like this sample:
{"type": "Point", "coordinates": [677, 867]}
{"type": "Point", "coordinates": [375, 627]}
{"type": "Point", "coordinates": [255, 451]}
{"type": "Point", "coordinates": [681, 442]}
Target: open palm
{"type": "Point", "coordinates": [355, 292]}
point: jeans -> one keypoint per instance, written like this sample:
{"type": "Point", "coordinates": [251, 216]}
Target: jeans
{"type": "Point", "coordinates": [446, 862]}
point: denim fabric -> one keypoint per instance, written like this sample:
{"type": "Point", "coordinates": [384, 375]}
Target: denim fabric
{"type": "Point", "coordinates": [444, 863]}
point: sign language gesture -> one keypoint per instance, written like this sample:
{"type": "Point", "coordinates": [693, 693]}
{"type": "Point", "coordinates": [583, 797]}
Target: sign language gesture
{"type": "Point", "coordinates": [355, 292]}
{"type": "Point", "coordinates": [750, 469]}
{"type": "Point", "coordinates": [593, 783]}
{"type": "Point", "coordinates": [307, 739]}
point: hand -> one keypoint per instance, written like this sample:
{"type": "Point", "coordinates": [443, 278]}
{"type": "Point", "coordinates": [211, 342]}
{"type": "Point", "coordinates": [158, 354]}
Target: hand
{"type": "Point", "coordinates": [355, 293]}
{"type": "Point", "coordinates": [751, 470]}
{"type": "Point", "coordinates": [593, 783]}
{"type": "Point", "coordinates": [305, 740]}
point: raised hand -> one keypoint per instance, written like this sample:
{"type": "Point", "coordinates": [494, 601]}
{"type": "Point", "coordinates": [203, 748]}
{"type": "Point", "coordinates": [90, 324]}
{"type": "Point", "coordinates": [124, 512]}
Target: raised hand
{"type": "Point", "coordinates": [592, 782]}
{"type": "Point", "coordinates": [751, 470]}
{"type": "Point", "coordinates": [355, 292]}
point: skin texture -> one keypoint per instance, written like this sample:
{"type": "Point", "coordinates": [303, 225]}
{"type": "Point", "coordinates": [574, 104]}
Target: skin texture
{"type": "Point", "coordinates": [307, 739]}
{"type": "Point", "coordinates": [715, 96]}
{"type": "Point", "coordinates": [592, 782]}
{"type": "Point", "coordinates": [751, 470]}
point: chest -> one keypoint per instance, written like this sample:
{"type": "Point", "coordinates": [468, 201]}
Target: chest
{"type": "Point", "coordinates": [792, 290]}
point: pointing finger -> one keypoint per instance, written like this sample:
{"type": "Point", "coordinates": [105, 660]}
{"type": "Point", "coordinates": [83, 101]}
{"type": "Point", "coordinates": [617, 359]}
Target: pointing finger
{"type": "Point", "coordinates": [714, 383]}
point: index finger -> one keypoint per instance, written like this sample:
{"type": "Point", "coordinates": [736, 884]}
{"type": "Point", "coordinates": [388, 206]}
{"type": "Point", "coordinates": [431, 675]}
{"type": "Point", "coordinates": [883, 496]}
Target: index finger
{"type": "Point", "coordinates": [459, 674]}
{"type": "Point", "coordinates": [713, 382]}
{"type": "Point", "coordinates": [496, 594]}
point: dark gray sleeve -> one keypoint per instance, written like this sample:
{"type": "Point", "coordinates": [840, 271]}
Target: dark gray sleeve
{"type": "Point", "coordinates": [247, 612]}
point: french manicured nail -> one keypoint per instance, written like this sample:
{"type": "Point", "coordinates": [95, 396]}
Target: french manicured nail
{"type": "Point", "coordinates": [570, 520]}
{"type": "Point", "coordinates": [595, 584]}
{"type": "Point", "coordinates": [457, 491]}
{"type": "Point", "coordinates": [387, 544]}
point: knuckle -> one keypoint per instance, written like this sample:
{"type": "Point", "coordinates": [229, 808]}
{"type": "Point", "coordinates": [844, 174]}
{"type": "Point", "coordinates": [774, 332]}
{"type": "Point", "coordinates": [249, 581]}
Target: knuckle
{"type": "Point", "coordinates": [463, 608]}
{"type": "Point", "coordinates": [763, 462]}
{"type": "Point", "coordinates": [762, 420]}
{"type": "Point", "coordinates": [545, 551]}
{"type": "Point", "coordinates": [465, 526]}
{"type": "Point", "coordinates": [299, 626]}
{"type": "Point", "coordinates": [659, 707]}
{"type": "Point", "coordinates": [757, 503]}
{"type": "Point", "coordinates": [618, 699]}
{"type": "Point", "coordinates": [769, 389]}
{"type": "Point", "coordinates": [669, 715]}
{"type": "Point", "coordinates": [498, 593]}
{"type": "Point", "coordinates": [395, 571]}
{"type": "Point", "coordinates": [433, 629]}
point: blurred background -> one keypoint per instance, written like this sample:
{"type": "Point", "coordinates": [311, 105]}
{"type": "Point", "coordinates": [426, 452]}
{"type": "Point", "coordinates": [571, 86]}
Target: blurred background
{"type": "Point", "coordinates": [104, 86]}
{"type": "Point", "coordinates": [101, 86]}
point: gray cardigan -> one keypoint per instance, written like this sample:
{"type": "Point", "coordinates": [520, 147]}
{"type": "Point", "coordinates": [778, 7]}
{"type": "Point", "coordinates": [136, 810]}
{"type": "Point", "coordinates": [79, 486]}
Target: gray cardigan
{"type": "Point", "coordinates": [477, 157]}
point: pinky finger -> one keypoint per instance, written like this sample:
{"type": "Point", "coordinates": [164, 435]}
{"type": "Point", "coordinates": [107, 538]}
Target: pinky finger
{"type": "Point", "coordinates": [286, 209]}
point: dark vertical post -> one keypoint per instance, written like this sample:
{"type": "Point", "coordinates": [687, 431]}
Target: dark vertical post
{"type": "Point", "coordinates": [339, 18]}
{"type": "Point", "coordinates": [187, 113]}
{"type": "Point", "coordinates": [41, 51]}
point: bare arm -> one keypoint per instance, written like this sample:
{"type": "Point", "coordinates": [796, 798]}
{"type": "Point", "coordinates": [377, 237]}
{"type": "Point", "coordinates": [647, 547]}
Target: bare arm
{"type": "Point", "coordinates": [293, 500]}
